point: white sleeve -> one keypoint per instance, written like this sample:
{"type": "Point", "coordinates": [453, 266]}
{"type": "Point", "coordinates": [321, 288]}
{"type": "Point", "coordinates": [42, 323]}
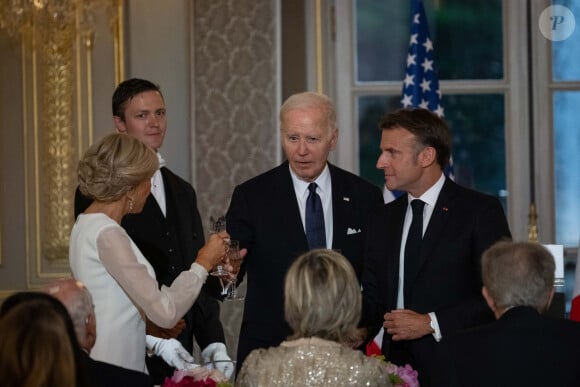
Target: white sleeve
{"type": "Point", "coordinates": [164, 306]}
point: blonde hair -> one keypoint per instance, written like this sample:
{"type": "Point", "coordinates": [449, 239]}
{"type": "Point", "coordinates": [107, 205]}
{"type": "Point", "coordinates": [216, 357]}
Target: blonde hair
{"type": "Point", "coordinates": [309, 99]}
{"type": "Point", "coordinates": [36, 348]}
{"type": "Point", "coordinates": [323, 297]}
{"type": "Point", "coordinates": [114, 165]}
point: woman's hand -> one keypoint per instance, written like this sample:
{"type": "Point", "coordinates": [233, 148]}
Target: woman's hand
{"type": "Point", "coordinates": [213, 251]}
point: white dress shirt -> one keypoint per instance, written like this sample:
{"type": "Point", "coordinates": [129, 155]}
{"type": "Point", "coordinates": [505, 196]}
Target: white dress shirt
{"type": "Point", "coordinates": [430, 198]}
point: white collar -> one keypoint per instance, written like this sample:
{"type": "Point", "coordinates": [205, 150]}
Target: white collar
{"type": "Point", "coordinates": [430, 196]}
{"type": "Point", "coordinates": [161, 160]}
{"type": "Point", "coordinates": [301, 186]}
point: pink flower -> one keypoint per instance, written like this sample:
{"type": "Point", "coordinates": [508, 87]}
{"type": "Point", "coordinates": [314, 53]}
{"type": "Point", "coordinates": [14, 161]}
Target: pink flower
{"type": "Point", "coordinates": [409, 376]}
{"type": "Point", "coordinates": [391, 368]}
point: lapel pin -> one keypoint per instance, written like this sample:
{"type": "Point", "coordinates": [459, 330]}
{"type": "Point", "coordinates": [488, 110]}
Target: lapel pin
{"type": "Point", "coordinates": [346, 198]}
{"type": "Point", "coordinates": [445, 209]}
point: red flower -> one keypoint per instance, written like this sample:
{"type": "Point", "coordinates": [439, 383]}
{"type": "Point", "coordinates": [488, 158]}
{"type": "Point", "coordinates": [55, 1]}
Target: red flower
{"type": "Point", "coordinates": [189, 382]}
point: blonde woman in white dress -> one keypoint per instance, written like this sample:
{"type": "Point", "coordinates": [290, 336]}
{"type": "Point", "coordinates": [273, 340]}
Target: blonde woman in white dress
{"type": "Point", "coordinates": [116, 173]}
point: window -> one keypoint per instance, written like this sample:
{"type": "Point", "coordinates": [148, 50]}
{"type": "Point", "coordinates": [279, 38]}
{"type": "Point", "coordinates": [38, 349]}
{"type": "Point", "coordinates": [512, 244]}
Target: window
{"type": "Point", "coordinates": [486, 95]}
{"type": "Point", "coordinates": [510, 101]}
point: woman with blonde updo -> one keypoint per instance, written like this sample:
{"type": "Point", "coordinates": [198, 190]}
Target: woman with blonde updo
{"type": "Point", "coordinates": [116, 174]}
{"type": "Point", "coordinates": [322, 305]}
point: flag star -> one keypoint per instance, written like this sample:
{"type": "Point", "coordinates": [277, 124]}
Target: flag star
{"type": "Point", "coordinates": [414, 39]}
{"type": "Point", "coordinates": [416, 18]}
{"type": "Point", "coordinates": [427, 65]}
{"type": "Point", "coordinates": [439, 111]}
{"type": "Point", "coordinates": [407, 100]}
{"type": "Point", "coordinates": [438, 91]}
{"type": "Point", "coordinates": [425, 85]}
{"type": "Point", "coordinates": [411, 60]}
{"type": "Point", "coordinates": [424, 104]}
{"type": "Point", "coordinates": [428, 45]}
{"type": "Point", "coordinates": [409, 80]}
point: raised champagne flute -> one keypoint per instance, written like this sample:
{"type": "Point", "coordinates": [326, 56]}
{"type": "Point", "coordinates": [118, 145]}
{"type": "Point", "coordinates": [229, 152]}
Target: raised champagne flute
{"type": "Point", "coordinates": [218, 225]}
{"type": "Point", "coordinates": [235, 262]}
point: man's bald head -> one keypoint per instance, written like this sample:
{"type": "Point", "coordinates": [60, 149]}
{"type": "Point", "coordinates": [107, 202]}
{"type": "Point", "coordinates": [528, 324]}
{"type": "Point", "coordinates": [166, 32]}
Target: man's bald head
{"type": "Point", "coordinates": [78, 301]}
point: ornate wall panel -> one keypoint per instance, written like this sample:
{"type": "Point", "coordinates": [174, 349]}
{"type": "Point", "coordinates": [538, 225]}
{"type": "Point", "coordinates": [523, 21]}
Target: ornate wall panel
{"type": "Point", "coordinates": [235, 101]}
{"type": "Point", "coordinates": [51, 124]}
{"type": "Point", "coordinates": [235, 105]}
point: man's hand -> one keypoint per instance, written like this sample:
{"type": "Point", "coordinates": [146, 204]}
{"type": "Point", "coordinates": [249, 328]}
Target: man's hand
{"type": "Point", "coordinates": [215, 355]}
{"type": "Point", "coordinates": [170, 350]}
{"type": "Point", "coordinates": [404, 324]}
{"type": "Point", "coordinates": [164, 333]}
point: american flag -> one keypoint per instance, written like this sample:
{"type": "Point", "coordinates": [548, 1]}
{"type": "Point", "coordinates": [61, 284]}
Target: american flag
{"type": "Point", "coordinates": [421, 85]}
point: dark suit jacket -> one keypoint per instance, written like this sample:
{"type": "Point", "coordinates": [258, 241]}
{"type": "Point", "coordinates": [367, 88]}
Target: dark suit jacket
{"type": "Point", "coordinates": [265, 218]}
{"type": "Point", "coordinates": [103, 374]}
{"type": "Point", "coordinates": [171, 244]}
{"type": "Point", "coordinates": [522, 348]}
{"type": "Point", "coordinates": [448, 282]}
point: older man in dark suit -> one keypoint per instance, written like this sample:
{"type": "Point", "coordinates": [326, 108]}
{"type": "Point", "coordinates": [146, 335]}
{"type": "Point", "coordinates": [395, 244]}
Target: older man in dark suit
{"type": "Point", "coordinates": [169, 230]}
{"type": "Point", "coordinates": [304, 203]}
{"type": "Point", "coordinates": [522, 348]}
{"type": "Point", "coordinates": [79, 303]}
{"type": "Point", "coordinates": [421, 278]}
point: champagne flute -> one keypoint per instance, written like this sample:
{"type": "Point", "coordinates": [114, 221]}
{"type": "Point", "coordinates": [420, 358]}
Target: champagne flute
{"type": "Point", "coordinates": [218, 225]}
{"type": "Point", "coordinates": [235, 262]}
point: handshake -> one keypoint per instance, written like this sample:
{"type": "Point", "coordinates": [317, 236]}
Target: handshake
{"type": "Point", "coordinates": [173, 353]}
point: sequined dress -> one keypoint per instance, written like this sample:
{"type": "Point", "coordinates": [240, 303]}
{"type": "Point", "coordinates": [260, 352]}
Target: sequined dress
{"type": "Point", "coordinates": [311, 362]}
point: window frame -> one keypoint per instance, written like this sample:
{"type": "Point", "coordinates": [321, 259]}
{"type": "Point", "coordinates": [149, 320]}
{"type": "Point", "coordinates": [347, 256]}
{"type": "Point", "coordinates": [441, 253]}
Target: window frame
{"type": "Point", "coordinates": [338, 64]}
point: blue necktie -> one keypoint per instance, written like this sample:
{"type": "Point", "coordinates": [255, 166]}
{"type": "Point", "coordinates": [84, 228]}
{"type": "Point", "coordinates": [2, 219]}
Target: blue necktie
{"type": "Point", "coordinates": [315, 233]}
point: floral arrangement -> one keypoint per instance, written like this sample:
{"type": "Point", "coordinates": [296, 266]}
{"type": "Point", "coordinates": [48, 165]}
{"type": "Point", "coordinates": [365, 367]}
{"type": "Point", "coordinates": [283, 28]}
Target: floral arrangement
{"type": "Point", "coordinates": [404, 376]}
{"type": "Point", "coordinates": [197, 377]}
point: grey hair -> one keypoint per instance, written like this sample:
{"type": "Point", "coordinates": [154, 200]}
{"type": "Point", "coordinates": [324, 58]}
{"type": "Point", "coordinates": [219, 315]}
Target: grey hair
{"type": "Point", "coordinates": [309, 99]}
{"type": "Point", "coordinates": [518, 274]}
{"type": "Point", "coordinates": [78, 301]}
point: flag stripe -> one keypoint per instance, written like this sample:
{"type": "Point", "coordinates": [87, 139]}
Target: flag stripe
{"type": "Point", "coordinates": [575, 307]}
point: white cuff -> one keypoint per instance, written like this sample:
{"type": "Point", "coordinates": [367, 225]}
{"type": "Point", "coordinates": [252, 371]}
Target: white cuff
{"type": "Point", "coordinates": [199, 270]}
{"type": "Point", "coordinates": [435, 326]}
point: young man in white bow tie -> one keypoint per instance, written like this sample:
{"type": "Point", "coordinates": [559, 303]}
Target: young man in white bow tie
{"type": "Point", "coordinates": [304, 203]}
{"type": "Point", "coordinates": [169, 230]}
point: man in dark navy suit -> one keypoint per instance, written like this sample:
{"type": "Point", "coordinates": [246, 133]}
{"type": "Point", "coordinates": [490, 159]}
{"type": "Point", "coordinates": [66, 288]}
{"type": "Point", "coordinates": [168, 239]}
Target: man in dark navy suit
{"type": "Point", "coordinates": [523, 347]}
{"type": "Point", "coordinates": [269, 215]}
{"type": "Point", "coordinates": [169, 230]}
{"type": "Point", "coordinates": [421, 278]}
